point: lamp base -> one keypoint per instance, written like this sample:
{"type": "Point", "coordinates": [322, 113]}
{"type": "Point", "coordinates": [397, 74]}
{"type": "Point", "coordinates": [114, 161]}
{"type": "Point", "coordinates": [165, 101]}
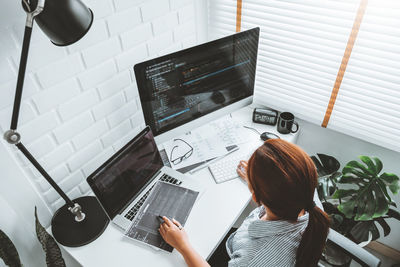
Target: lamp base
{"type": "Point", "coordinates": [71, 233]}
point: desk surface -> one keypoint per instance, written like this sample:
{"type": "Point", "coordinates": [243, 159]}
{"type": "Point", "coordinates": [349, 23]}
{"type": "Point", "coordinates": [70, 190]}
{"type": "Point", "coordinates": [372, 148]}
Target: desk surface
{"type": "Point", "coordinates": [210, 219]}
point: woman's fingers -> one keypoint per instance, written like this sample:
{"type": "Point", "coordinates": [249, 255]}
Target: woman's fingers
{"type": "Point", "coordinates": [242, 169]}
{"type": "Point", "coordinates": [167, 221]}
{"type": "Point", "coordinates": [161, 230]}
{"type": "Point", "coordinates": [163, 227]}
{"type": "Point", "coordinates": [177, 223]}
{"type": "Point", "coordinates": [243, 163]}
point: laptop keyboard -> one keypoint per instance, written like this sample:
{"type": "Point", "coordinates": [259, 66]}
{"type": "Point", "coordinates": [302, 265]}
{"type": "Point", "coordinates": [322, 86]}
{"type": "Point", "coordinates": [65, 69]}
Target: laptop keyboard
{"type": "Point", "coordinates": [134, 210]}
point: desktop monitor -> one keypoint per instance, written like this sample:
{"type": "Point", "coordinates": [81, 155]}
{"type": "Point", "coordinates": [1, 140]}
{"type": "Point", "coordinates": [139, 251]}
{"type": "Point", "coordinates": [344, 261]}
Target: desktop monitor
{"type": "Point", "coordinates": [193, 84]}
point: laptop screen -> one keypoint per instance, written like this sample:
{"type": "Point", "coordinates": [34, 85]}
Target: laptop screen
{"type": "Point", "coordinates": [126, 173]}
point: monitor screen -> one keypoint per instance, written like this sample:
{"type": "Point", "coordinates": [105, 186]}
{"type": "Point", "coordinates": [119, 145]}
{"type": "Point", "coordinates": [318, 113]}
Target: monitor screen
{"type": "Point", "coordinates": [125, 174]}
{"type": "Point", "coordinates": [180, 87]}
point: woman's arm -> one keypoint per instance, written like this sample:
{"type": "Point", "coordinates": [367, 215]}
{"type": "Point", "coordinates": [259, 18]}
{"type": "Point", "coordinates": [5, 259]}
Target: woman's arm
{"type": "Point", "coordinates": [192, 258]}
{"type": "Point", "coordinates": [175, 235]}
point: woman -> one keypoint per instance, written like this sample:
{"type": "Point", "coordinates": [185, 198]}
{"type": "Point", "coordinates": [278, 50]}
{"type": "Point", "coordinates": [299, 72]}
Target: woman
{"type": "Point", "coordinates": [287, 229]}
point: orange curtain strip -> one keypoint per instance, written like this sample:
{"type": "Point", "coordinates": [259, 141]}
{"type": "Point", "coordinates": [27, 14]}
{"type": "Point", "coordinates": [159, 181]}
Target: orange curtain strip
{"type": "Point", "coordinates": [238, 15]}
{"type": "Point", "coordinates": [345, 60]}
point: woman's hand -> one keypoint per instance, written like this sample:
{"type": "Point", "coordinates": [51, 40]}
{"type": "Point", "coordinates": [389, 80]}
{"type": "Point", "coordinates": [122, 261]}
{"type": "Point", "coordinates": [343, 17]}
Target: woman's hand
{"type": "Point", "coordinates": [242, 170]}
{"type": "Point", "coordinates": [174, 234]}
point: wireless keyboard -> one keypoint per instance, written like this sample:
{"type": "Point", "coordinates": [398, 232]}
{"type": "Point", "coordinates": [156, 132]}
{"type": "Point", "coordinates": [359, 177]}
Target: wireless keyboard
{"type": "Point", "coordinates": [225, 169]}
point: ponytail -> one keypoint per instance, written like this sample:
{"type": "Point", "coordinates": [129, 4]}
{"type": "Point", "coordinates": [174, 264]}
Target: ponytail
{"type": "Point", "coordinates": [283, 177]}
{"type": "Point", "coordinates": [314, 238]}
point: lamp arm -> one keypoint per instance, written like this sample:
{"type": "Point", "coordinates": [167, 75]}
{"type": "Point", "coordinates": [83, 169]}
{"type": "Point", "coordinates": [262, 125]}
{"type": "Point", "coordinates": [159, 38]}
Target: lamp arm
{"type": "Point", "coordinates": [21, 77]}
{"type": "Point", "coordinates": [23, 61]}
{"type": "Point", "coordinates": [42, 171]}
{"type": "Point", "coordinates": [12, 136]}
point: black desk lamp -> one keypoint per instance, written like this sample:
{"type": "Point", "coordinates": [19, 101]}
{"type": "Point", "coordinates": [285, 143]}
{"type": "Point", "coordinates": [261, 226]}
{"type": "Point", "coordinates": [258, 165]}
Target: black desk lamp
{"type": "Point", "coordinates": [64, 22]}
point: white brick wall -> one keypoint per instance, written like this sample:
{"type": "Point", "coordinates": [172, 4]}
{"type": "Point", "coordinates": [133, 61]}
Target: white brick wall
{"type": "Point", "coordinates": [80, 104]}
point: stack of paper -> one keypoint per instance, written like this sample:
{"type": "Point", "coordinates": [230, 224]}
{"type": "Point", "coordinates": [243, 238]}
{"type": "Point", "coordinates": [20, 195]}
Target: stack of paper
{"type": "Point", "coordinates": [207, 142]}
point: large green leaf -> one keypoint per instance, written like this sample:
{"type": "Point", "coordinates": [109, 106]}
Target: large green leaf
{"type": "Point", "coordinates": [341, 193]}
{"type": "Point", "coordinates": [49, 245]}
{"type": "Point", "coordinates": [372, 169]}
{"type": "Point", "coordinates": [361, 230]}
{"type": "Point", "coordinates": [329, 207]}
{"type": "Point", "coordinates": [350, 179]}
{"type": "Point", "coordinates": [379, 164]}
{"type": "Point", "coordinates": [329, 163]}
{"type": "Point", "coordinates": [394, 214]}
{"type": "Point", "coordinates": [336, 221]}
{"type": "Point", "coordinates": [321, 171]}
{"type": "Point", "coordinates": [327, 185]}
{"type": "Point", "coordinates": [357, 165]}
{"type": "Point", "coordinates": [385, 226]}
{"type": "Point", "coordinates": [370, 199]}
{"type": "Point", "coordinates": [351, 170]}
{"type": "Point", "coordinates": [392, 180]}
{"type": "Point", "coordinates": [327, 169]}
{"type": "Point", "coordinates": [347, 208]}
{"type": "Point", "coordinates": [384, 189]}
{"type": "Point", "coordinates": [8, 252]}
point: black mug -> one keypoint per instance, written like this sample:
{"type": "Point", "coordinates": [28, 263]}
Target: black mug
{"type": "Point", "coordinates": [286, 122]}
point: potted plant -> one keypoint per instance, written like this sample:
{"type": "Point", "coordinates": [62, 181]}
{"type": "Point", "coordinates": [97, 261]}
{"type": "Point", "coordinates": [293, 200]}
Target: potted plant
{"type": "Point", "coordinates": [10, 256]}
{"type": "Point", "coordinates": [357, 198]}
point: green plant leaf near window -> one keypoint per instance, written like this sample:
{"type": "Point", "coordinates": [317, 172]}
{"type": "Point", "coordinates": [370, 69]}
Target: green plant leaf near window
{"type": "Point", "coordinates": [358, 199]}
{"type": "Point", "coordinates": [10, 256]}
{"type": "Point", "coordinates": [53, 253]}
{"type": "Point", "coordinates": [370, 199]}
{"type": "Point", "coordinates": [8, 252]}
{"type": "Point", "coordinates": [327, 169]}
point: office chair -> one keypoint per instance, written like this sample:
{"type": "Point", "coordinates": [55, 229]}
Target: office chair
{"type": "Point", "coordinates": [351, 249]}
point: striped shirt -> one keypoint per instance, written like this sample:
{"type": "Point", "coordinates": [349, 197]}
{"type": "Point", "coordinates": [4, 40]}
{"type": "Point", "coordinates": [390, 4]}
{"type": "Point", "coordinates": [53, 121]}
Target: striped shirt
{"type": "Point", "coordinates": [259, 243]}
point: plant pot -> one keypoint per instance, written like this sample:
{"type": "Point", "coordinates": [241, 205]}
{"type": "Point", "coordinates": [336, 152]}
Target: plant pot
{"type": "Point", "coordinates": [335, 256]}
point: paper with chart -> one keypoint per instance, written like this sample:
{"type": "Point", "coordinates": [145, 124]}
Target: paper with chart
{"type": "Point", "coordinates": [207, 142]}
{"type": "Point", "coordinates": [164, 200]}
{"type": "Point", "coordinates": [228, 131]}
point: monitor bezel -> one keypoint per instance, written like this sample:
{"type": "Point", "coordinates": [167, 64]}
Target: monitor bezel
{"type": "Point", "coordinates": [161, 136]}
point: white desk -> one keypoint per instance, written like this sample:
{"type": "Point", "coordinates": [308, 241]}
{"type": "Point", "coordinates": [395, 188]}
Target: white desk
{"type": "Point", "coordinates": [210, 219]}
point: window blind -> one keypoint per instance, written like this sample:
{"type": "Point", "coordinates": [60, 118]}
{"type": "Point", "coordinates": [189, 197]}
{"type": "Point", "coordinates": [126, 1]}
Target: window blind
{"type": "Point", "coordinates": [301, 50]}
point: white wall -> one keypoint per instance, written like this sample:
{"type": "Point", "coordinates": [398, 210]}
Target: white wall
{"type": "Point", "coordinates": [80, 103]}
{"type": "Point", "coordinates": [17, 202]}
{"type": "Point", "coordinates": [315, 139]}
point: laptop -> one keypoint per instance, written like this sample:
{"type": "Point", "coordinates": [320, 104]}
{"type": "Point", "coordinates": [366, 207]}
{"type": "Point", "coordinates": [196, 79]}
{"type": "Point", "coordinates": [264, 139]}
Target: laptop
{"type": "Point", "coordinates": [124, 181]}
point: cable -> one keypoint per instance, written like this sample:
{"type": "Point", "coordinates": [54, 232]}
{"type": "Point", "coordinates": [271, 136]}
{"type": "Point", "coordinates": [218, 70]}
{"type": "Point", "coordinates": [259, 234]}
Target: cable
{"type": "Point", "coordinates": [250, 128]}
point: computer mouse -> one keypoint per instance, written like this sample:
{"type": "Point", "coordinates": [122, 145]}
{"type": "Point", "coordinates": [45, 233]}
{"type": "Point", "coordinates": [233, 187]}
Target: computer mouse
{"type": "Point", "coordinates": [217, 97]}
{"type": "Point", "coordinates": [266, 136]}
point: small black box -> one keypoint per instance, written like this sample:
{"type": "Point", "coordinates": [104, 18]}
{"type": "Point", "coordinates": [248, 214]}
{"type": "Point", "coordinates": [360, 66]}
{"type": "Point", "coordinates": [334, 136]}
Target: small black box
{"type": "Point", "coordinates": [265, 116]}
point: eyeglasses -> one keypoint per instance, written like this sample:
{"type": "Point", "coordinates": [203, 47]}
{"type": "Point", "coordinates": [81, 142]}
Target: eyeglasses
{"type": "Point", "coordinates": [178, 160]}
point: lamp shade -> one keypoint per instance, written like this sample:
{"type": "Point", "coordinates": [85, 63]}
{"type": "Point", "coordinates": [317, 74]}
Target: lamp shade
{"type": "Point", "coordinates": [65, 21]}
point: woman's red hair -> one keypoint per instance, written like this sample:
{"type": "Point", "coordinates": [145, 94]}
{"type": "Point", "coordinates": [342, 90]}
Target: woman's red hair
{"type": "Point", "coordinates": [283, 178]}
